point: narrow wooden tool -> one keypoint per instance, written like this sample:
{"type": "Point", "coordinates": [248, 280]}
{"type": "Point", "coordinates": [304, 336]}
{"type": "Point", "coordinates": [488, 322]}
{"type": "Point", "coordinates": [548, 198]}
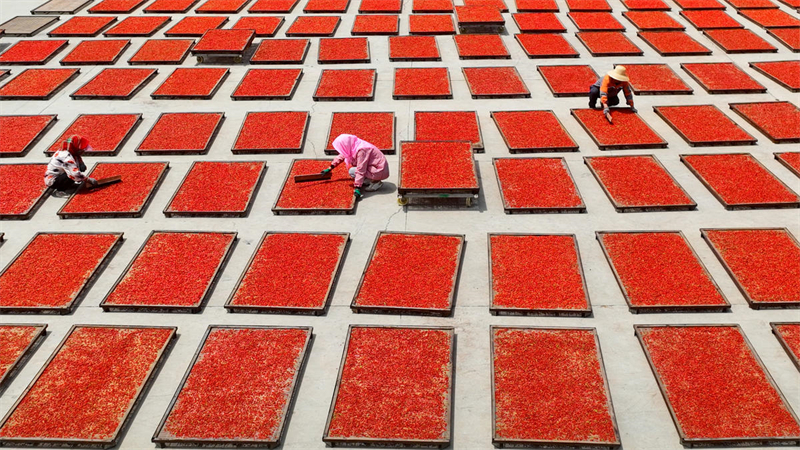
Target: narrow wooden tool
{"type": "Point", "coordinates": [106, 181]}
{"type": "Point", "coordinates": [312, 177]}
{"type": "Point", "coordinates": [608, 117]}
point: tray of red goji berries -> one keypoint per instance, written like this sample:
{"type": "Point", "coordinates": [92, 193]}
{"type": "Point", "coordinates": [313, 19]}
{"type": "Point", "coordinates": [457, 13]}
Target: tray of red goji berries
{"type": "Point", "coordinates": [200, 411]}
{"type": "Point", "coordinates": [454, 174]}
{"type": "Point", "coordinates": [162, 52]}
{"type": "Point", "coordinates": [537, 185]}
{"type": "Point", "coordinates": [578, 414]}
{"type": "Point", "coordinates": [272, 132]}
{"type": "Point", "coordinates": [449, 126]}
{"type": "Point", "coordinates": [191, 83]}
{"type": "Point", "coordinates": [659, 271]}
{"type": "Point", "coordinates": [748, 408]}
{"type": "Point", "coordinates": [216, 42]}
{"type": "Point", "coordinates": [217, 189]}
{"type": "Point", "coordinates": [266, 286]}
{"type": "Point", "coordinates": [128, 198]}
{"type": "Point", "coordinates": [763, 262]}
{"type": "Point", "coordinates": [19, 343]}
{"type": "Point", "coordinates": [21, 190]}
{"type": "Point", "coordinates": [29, 53]}
{"type": "Point", "coordinates": [34, 282]}
{"type": "Point", "coordinates": [138, 26]}
{"type": "Point", "coordinates": [332, 196]}
{"type": "Point", "coordinates": [89, 389]}
{"type": "Point", "coordinates": [704, 125]}
{"type": "Point", "coordinates": [169, 6]}
{"type": "Point", "coordinates": [778, 121]}
{"type": "Point", "coordinates": [533, 131]}
{"type": "Point", "coordinates": [399, 277]}
{"type": "Point", "coordinates": [788, 334]}
{"type": "Point", "coordinates": [281, 51]}
{"type": "Point", "coordinates": [782, 72]}
{"type": "Point", "coordinates": [377, 128]}
{"type": "Point", "coordinates": [638, 183]}
{"type": "Point", "coordinates": [107, 133]}
{"type": "Point", "coordinates": [181, 133]}
{"type": "Point", "coordinates": [346, 85]}
{"type": "Point", "coordinates": [115, 84]}
{"type": "Point", "coordinates": [37, 84]}
{"type": "Point", "coordinates": [537, 274]}
{"type": "Point", "coordinates": [790, 160]}
{"type": "Point", "coordinates": [268, 84]}
{"type": "Point", "coordinates": [173, 271]}
{"type": "Point", "coordinates": [629, 131]}
{"type": "Point", "coordinates": [394, 388]}
{"type": "Point", "coordinates": [19, 134]}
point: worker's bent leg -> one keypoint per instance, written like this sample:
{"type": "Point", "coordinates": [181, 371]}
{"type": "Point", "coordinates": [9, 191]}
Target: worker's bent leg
{"type": "Point", "coordinates": [613, 100]}
{"type": "Point", "coordinates": [594, 94]}
{"type": "Point", "coordinates": [63, 183]}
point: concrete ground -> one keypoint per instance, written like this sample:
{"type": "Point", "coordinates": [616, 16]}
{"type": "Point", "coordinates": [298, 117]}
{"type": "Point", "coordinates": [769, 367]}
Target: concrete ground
{"type": "Point", "coordinates": [642, 415]}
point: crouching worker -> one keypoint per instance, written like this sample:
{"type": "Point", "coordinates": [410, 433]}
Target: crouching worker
{"type": "Point", "coordinates": [607, 90]}
{"type": "Point", "coordinates": [366, 164]}
{"type": "Point", "coordinates": [66, 168]}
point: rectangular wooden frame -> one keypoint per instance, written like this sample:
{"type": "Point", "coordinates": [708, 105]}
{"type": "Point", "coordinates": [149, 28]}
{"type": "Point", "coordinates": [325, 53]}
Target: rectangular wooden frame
{"type": "Point", "coordinates": [752, 303]}
{"type": "Point", "coordinates": [128, 96]}
{"type": "Point", "coordinates": [202, 151]}
{"type": "Point", "coordinates": [165, 62]}
{"type": "Point", "coordinates": [508, 209]}
{"type": "Point", "coordinates": [432, 33]}
{"type": "Point", "coordinates": [575, 53]}
{"type": "Point", "coordinates": [762, 26]}
{"type": "Point", "coordinates": [168, 35]}
{"type": "Point", "coordinates": [665, 8]}
{"type": "Point", "coordinates": [715, 442]}
{"type": "Point", "coordinates": [723, 91]}
{"type": "Point", "coordinates": [406, 309]}
{"type": "Point", "coordinates": [353, 31]}
{"type": "Point", "coordinates": [47, 59]}
{"type": "Point", "coordinates": [170, 11]}
{"type": "Point", "coordinates": [662, 144]}
{"type": "Point", "coordinates": [276, 11]}
{"type": "Point", "coordinates": [783, 41]}
{"type": "Point", "coordinates": [116, 11]}
{"type": "Point", "coordinates": [299, 149]}
{"type": "Point", "coordinates": [691, 143]}
{"type": "Point", "coordinates": [345, 60]}
{"type": "Point", "coordinates": [25, 355]}
{"type": "Point", "coordinates": [154, 31]}
{"type": "Point", "coordinates": [300, 365]}
{"type": "Point", "coordinates": [498, 96]}
{"type": "Point", "coordinates": [785, 164]}
{"type": "Point", "coordinates": [594, 53]}
{"type": "Point", "coordinates": [687, 91]}
{"type": "Point", "coordinates": [733, 51]}
{"type": "Point", "coordinates": [244, 213]}
{"type": "Point", "coordinates": [92, 34]}
{"type": "Point", "coordinates": [477, 147]}
{"type": "Point", "coordinates": [319, 35]}
{"type": "Point", "coordinates": [385, 151]}
{"type": "Point", "coordinates": [45, 22]}
{"type": "Point", "coordinates": [49, 95]}
{"type": "Point", "coordinates": [267, 62]}
{"type": "Point", "coordinates": [593, 29]}
{"type": "Point", "coordinates": [221, 11]}
{"type": "Point", "coordinates": [380, 442]}
{"type": "Point", "coordinates": [643, 208]}
{"type": "Point", "coordinates": [564, 94]}
{"type": "Point", "coordinates": [396, 96]}
{"type": "Point", "coordinates": [496, 310]}
{"type": "Point", "coordinates": [327, 11]}
{"type": "Point", "coordinates": [44, 9]}
{"type": "Point", "coordinates": [4, 73]}
{"type": "Point", "coordinates": [636, 309]}
{"type": "Point", "coordinates": [262, 35]}
{"type": "Point", "coordinates": [112, 214]}
{"type": "Point", "coordinates": [364, 98]}
{"type": "Point", "coordinates": [413, 59]}
{"type": "Point", "coordinates": [289, 309]}
{"type": "Point", "coordinates": [80, 292]}
{"type": "Point", "coordinates": [207, 96]}
{"type": "Point", "coordinates": [32, 143]}
{"type": "Point", "coordinates": [739, 206]}
{"type": "Point", "coordinates": [657, 28]}
{"type": "Point", "coordinates": [126, 418]}
{"type": "Point", "coordinates": [112, 152]}
{"type": "Point", "coordinates": [663, 53]}
{"type": "Point", "coordinates": [484, 56]}
{"type": "Point", "coordinates": [783, 84]}
{"type": "Point", "coordinates": [784, 344]}
{"type": "Point", "coordinates": [310, 211]}
{"type": "Point", "coordinates": [436, 192]}
{"type": "Point", "coordinates": [516, 150]}
{"type": "Point", "coordinates": [514, 443]}
{"type": "Point", "coordinates": [379, 11]}
{"type": "Point", "coordinates": [522, 30]}
{"type": "Point", "coordinates": [758, 127]}
{"type": "Point", "coordinates": [222, 52]}
{"type": "Point", "coordinates": [288, 96]}
{"type": "Point", "coordinates": [171, 308]}
{"type": "Point", "coordinates": [25, 215]}
{"type": "Point", "coordinates": [98, 63]}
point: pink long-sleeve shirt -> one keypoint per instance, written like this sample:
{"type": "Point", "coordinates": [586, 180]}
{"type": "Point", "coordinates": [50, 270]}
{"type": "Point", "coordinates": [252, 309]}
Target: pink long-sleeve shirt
{"type": "Point", "coordinates": [369, 163]}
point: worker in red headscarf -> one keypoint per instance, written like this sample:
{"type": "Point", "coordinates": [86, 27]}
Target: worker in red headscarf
{"type": "Point", "coordinates": [365, 163]}
{"type": "Point", "coordinates": [65, 171]}
{"type": "Point", "coordinates": [607, 89]}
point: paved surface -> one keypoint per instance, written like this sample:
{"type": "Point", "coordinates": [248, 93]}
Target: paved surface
{"type": "Point", "coordinates": [642, 415]}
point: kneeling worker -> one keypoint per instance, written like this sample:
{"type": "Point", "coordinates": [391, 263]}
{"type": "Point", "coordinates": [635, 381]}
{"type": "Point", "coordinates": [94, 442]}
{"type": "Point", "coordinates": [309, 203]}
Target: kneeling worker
{"type": "Point", "coordinates": [65, 171]}
{"type": "Point", "coordinates": [366, 164]}
{"type": "Point", "coordinates": [607, 90]}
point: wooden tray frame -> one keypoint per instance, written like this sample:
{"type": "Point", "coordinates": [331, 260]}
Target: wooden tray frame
{"type": "Point", "coordinates": [196, 308]}
{"type": "Point", "coordinates": [662, 144]}
{"type": "Point", "coordinates": [289, 34]}
{"type": "Point", "coordinates": [379, 11]}
{"type": "Point", "coordinates": [364, 98]}
{"type": "Point", "coordinates": [548, 56]}
{"type": "Point", "coordinates": [498, 96]}
{"type": "Point", "coordinates": [620, 208]}
{"type": "Point", "coordinates": [508, 209]}
{"type": "Point", "coordinates": [96, 33]}
{"type": "Point", "coordinates": [385, 151]}
{"type": "Point", "coordinates": [758, 127]}
{"type": "Point", "coordinates": [664, 8]}
{"type": "Point", "coordinates": [114, 214]}
{"type": "Point", "coordinates": [287, 97]}
{"type": "Point", "coordinates": [597, 54]}
{"type": "Point", "coordinates": [81, 291]}
{"type": "Point", "coordinates": [522, 30]}
{"type": "Point", "coordinates": [247, 151]}
{"type": "Point", "coordinates": [786, 164]}
{"type": "Point", "coordinates": [165, 62]}
{"type": "Point", "coordinates": [250, 309]}
{"type": "Point", "coordinates": [273, 62]}
{"type": "Point", "coordinates": [345, 60]}
{"type": "Point", "coordinates": [526, 443]}
{"type": "Point", "coordinates": [740, 50]}
{"type": "Point", "coordinates": [49, 95]}
{"type": "Point", "coordinates": [126, 418]}
{"type": "Point", "coordinates": [496, 310]}
{"type": "Point", "coordinates": [687, 91]}
{"type": "Point", "coordinates": [223, 52]}
{"type": "Point", "coordinates": [32, 143]}
{"type": "Point", "coordinates": [207, 96]}
{"type": "Point", "coordinates": [784, 344]}
{"type": "Point", "coordinates": [691, 143]}
{"type": "Point", "coordinates": [668, 54]}
{"type": "Point", "coordinates": [36, 11]}
{"type": "Point", "coordinates": [436, 192]}
{"type": "Point", "coordinates": [715, 442]}
{"type": "Point", "coordinates": [754, 66]}
{"type": "Point", "coordinates": [327, 11]}
{"type": "Point", "coordinates": [168, 35]}
{"type": "Point", "coordinates": [669, 309]}
{"type": "Point", "coordinates": [723, 91]}
{"type": "Point", "coordinates": [170, 11]}
{"type": "Point", "coordinates": [516, 150]}
{"type": "Point", "coordinates": [30, 33]}
{"type": "Point", "coordinates": [477, 147]}
{"type": "Point", "coordinates": [128, 96]}
{"type": "Point", "coordinates": [202, 151]}
{"type": "Point", "coordinates": [382, 442]}
{"type": "Point", "coordinates": [591, 29]}
{"type": "Point", "coordinates": [282, 11]}
{"type": "Point", "coordinates": [98, 63]}
{"type": "Point", "coordinates": [412, 59]}
{"type": "Point", "coordinates": [151, 33]}
{"type": "Point", "coordinates": [112, 152]}
{"type": "Point", "coordinates": [25, 215]}
{"type": "Point", "coordinates": [507, 55]}
{"type": "Point", "coordinates": [396, 32]}
{"type": "Point", "coordinates": [52, 55]}
{"type": "Point", "coordinates": [565, 94]}
{"type": "Point", "coordinates": [712, 27]}
{"type": "Point", "coordinates": [406, 310]}
{"type": "Point", "coordinates": [262, 35]}
{"type": "Point", "coordinates": [116, 11]}
{"type": "Point", "coordinates": [782, 41]}
{"type": "Point", "coordinates": [221, 11]}
{"type": "Point", "coordinates": [433, 33]}
{"type": "Point", "coordinates": [740, 206]}
{"type": "Point", "coordinates": [764, 27]}
{"type": "Point", "coordinates": [396, 96]}
{"type": "Point", "coordinates": [752, 303]}
{"type": "Point", "coordinates": [291, 395]}
{"type": "Point", "coordinates": [38, 337]}
{"type": "Point", "coordinates": [244, 213]}
{"type": "Point", "coordinates": [306, 211]}
{"type": "Point", "coordinates": [657, 28]}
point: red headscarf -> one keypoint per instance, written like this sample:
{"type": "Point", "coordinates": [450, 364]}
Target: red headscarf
{"type": "Point", "coordinates": [75, 145]}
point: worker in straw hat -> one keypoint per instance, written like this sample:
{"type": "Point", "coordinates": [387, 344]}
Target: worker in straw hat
{"type": "Point", "coordinates": [65, 171]}
{"type": "Point", "coordinates": [365, 163]}
{"type": "Point", "coordinates": [607, 90]}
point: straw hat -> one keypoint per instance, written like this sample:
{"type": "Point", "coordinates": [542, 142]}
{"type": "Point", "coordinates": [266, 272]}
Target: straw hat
{"type": "Point", "coordinates": [619, 73]}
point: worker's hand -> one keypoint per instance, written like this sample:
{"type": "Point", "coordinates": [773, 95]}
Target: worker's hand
{"type": "Point", "coordinates": [357, 193]}
{"type": "Point", "coordinates": [326, 170]}
{"type": "Point", "coordinates": [606, 110]}
{"type": "Point", "coordinates": [634, 110]}
{"type": "Point", "coordinates": [91, 181]}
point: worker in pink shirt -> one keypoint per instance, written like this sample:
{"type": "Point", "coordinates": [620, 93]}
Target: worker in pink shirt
{"type": "Point", "coordinates": [366, 164]}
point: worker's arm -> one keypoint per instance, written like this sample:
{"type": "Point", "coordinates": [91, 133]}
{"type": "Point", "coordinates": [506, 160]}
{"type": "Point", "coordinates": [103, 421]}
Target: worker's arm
{"type": "Point", "coordinates": [626, 89]}
{"type": "Point", "coordinates": [73, 171]}
{"type": "Point", "coordinates": [604, 91]}
{"type": "Point", "coordinates": [362, 163]}
{"type": "Point", "coordinates": [336, 161]}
